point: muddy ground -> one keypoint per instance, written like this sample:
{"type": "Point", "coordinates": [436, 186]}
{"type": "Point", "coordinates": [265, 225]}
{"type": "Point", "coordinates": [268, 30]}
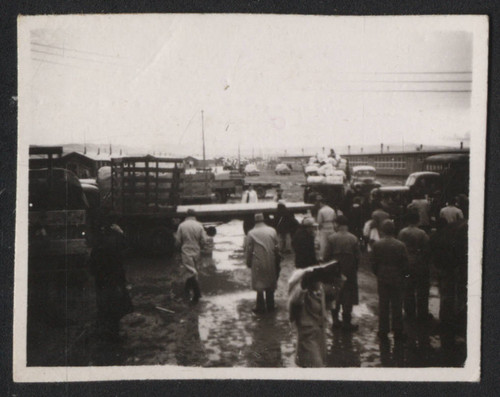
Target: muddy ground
{"type": "Point", "coordinates": [222, 331]}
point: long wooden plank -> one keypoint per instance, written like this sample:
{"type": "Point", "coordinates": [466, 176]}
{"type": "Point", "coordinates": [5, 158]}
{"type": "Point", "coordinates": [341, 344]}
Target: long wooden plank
{"type": "Point", "coordinates": [149, 158]}
{"type": "Point", "coordinates": [241, 208]}
{"type": "Point", "coordinates": [265, 185]}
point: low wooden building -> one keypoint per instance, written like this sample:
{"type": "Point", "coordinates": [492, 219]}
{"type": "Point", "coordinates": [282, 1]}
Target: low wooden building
{"type": "Point", "coordinates": [396, 163]}
{"type": "Point", "coordinates": [85, 165]}
{"type": "Point", "coordinates": [196, 162]}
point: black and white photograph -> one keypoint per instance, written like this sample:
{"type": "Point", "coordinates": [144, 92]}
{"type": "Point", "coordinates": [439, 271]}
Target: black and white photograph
{"type": "Point", "coordinates": [230, 196]}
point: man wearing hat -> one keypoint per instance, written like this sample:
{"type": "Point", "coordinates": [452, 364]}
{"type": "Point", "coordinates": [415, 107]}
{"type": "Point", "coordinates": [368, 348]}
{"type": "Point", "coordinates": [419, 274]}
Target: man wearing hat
{"type": "Point", "coordinates": [285, 224]}
{"type": "Point", "coordinates": [250, 195]}
{"type": "Point", "coordinates": [390, 265]}
{"type": "Point", "coordinates": [344, 247]}
{"type": "Point", "coordinates": [303, 244]}
{"type": "Point", "coordinates": [326, 224]}
{"type": "Point", "coordinates": [191, 238]}
{"type": "Point", "coordinates": [262, 251]}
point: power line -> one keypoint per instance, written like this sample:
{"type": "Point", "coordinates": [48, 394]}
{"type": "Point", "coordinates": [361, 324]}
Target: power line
{"type": "Point", "coordinates": [63, 64]}
{"type": "Point", "coordinates": [75, 50]}
{"type": "Point", "coordinates": [409, 81]}
{"type": "Point", "coordinates": [73, 57]}
{"type": "Point", "coordinates": [389, 90]}
{"type": "Point", "coordinates": [45, 52]}
{"type": "Point", "coordinates": [427, 72]}
{"type": "Point", "coordinates": [459, 91]}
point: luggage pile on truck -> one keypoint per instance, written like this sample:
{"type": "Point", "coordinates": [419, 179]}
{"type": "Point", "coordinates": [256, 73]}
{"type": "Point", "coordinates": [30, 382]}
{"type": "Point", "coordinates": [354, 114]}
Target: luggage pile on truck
{"type": "Point", "coordinates": [325, 176]}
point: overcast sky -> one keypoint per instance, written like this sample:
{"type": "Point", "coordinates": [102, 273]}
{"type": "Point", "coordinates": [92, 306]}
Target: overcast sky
{"type": "Point", "coordinates": [268, 83]}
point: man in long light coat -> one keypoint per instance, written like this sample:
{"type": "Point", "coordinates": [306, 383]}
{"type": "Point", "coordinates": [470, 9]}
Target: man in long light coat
{"type": "Point", "coordinates": [191, 238]}
{"type": "Point", "coordinates": [326, 224]}
{"type": "Point", "coordinates": [250, 195]}
{"type": "Point", "coordinates": [262, 250]}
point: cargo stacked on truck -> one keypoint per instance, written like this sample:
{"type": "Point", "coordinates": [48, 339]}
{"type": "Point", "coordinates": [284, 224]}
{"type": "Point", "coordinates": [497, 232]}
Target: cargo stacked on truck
{"type": "Point", "coordinates": [222, 185]}
{"type": "Point", "coordinates": [213, 185]}
{"type": "Point", "coordinates": [326, 176]}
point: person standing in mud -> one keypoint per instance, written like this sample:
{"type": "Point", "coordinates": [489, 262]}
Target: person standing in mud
{"type": "Point", "coordinates": [285, 224]}
{"type": "Point", "coordinates": [451, 213]}
{"type": "Point", "coordinates": [303, 244]}
{"type": "Point", "coordinates": [418, 283]}
{"type": "Point", "coordinates": [307, 310]}
{"type": "Point", "coordinates": [449, 256]}
{"type": "Point", "coordinates": [423, 208]}
{"type": "Point", "coordinates": [250, 195]}
{"type": "Point", "coordinates": [390, 264]}
{"type": "Point", "coordinates": [326, 223]}
{"type": "Point", "coordinates": [344, 247]}
{"type": "Point", "coordinates": [262, 253]}
{"type": "Point", "coordinates": [191, 238]}
{"type": "Point", "coordinates": [106, 265]}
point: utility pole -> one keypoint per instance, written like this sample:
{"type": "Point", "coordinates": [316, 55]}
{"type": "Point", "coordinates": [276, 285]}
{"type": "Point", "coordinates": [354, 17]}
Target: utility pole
{"type": "Point", "coordinates": [203, 138]}
{"type": "Point", "coordinates": [204, 158]}
{"type": "Point", "coordinates": [239, 157]}
{"type": "Point", "coordinates": [84, 143]}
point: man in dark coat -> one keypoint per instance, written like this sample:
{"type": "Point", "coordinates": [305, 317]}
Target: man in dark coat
{"type": "Point", "coordinates": [285, 224]}
{"type": "Point", "coordinates": [303, 244]}
{"type": "Point", "coordinates": [356, 217]}
{"type": "Point", "coordinates": [106, 265]}
{"type": "Point", "coordinates": [390, 265]}
{"type": "Point", "coordinates": [449, 256]}
{"type": "Point", "coordinates": [418, 283]}
{"type": "Point", "coordinates": [344, 247]}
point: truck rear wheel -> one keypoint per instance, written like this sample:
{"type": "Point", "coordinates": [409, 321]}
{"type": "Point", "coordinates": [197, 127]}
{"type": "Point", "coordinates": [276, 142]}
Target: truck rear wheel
{"type": "Point", "coordinates": [261, 192]}
{"type": "Point", "coordinates": [220, 197]}
{"type": "Point", "coordinates": [161, 241]}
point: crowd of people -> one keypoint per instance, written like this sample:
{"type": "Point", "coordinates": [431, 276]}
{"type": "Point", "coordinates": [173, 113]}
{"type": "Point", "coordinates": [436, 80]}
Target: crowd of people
{"type": "Point", "coordinates": [402, 262]}
{"type": "Point", "coordinates": [325, 281]}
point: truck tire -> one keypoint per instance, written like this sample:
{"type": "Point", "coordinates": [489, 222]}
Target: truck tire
{"type": "Point", "coordinates": [161, 241]}
{"type": "Point", "coordinates": [220, 197]}
{"type": "Point", "coordinates": [225, 196]}
{"type": "Point", "coordinates": [261, 192]}
{"type": "Point", "coordinates": [131, 238]}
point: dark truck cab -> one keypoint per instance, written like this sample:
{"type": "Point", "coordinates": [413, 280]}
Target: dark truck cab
{"type": "Point", "coordinates": [58, 219]}
{"type": "Point", "coordinates": [58, 247]}
{"type": "Point", "coordinates": [453, 169]}
{"type": "Point", "coordinates": [424, 183]}
{"type": "Point", "coordinates": [444, 177]}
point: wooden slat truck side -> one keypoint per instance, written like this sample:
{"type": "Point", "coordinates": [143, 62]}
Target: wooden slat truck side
{"type": "Point", "coordinates": [146, 194]}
